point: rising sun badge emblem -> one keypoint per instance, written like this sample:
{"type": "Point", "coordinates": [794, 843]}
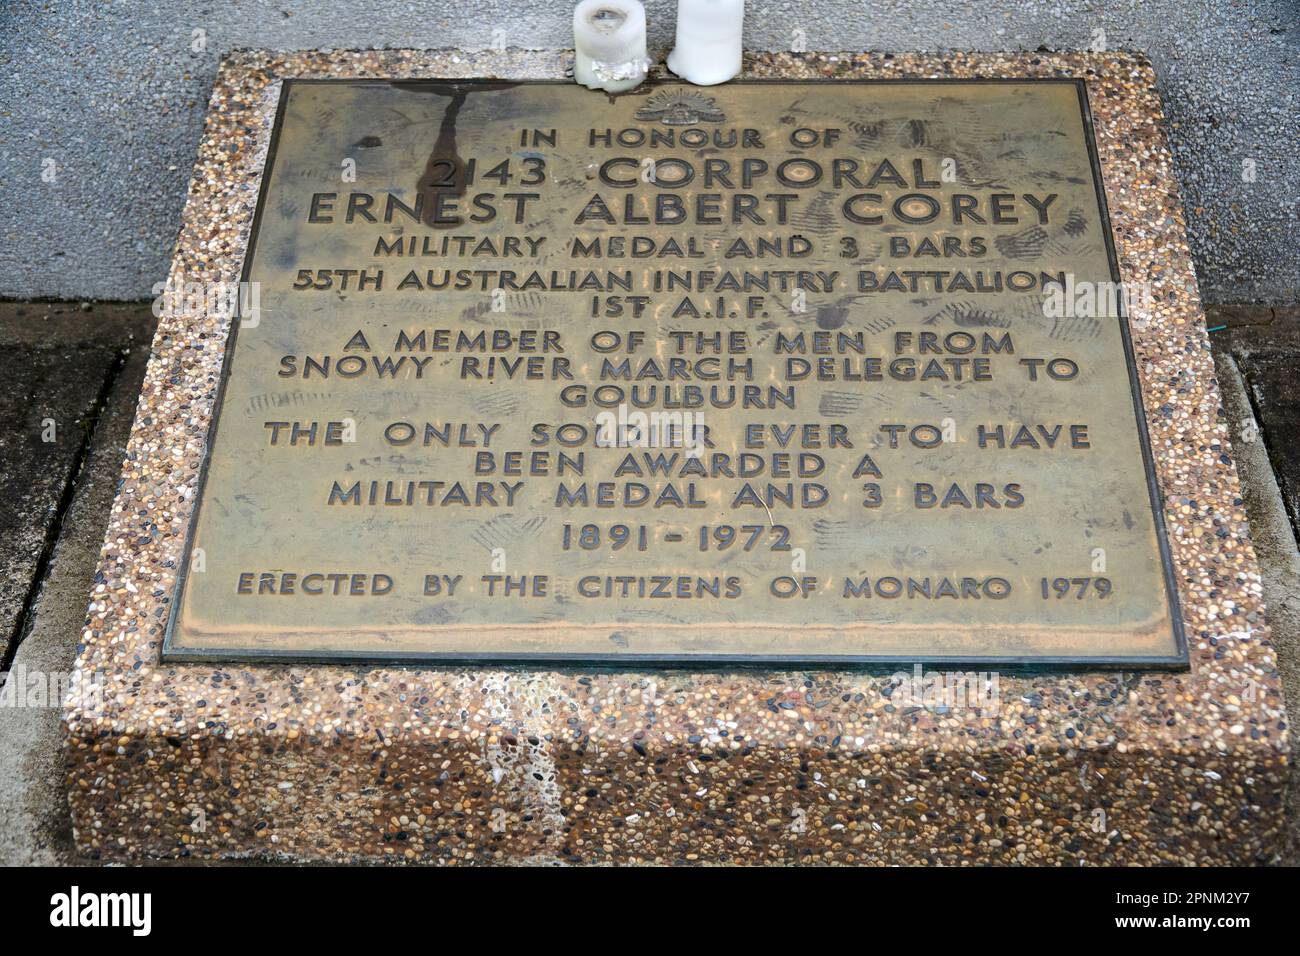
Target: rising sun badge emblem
{"type": "Point", "coordinates": [680, 108]}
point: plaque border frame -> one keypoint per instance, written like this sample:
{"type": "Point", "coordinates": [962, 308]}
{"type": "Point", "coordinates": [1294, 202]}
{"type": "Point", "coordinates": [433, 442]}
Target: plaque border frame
{"type": "Point", "coordinates": [1178, 661]}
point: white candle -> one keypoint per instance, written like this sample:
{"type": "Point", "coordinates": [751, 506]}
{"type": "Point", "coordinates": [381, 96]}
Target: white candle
{"type": "Point", "coordinates": [609, 44]}
{"type": "Point", "coordinates": [708, 49]}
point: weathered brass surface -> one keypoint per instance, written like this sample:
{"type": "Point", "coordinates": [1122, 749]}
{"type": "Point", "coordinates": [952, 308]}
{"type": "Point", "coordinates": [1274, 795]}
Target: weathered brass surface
{"type": "Point", "coordinates": [848, 283]}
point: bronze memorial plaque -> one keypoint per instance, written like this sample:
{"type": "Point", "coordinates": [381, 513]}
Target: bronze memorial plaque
{"type": "Point", "coordinates": [806, 372]}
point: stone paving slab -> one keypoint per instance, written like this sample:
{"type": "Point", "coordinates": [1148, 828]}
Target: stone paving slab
{"type": "Point", "coordinates": [1271, 375]}
{"type": "Point", "coordinates": [56, 363]}
{"type": "Point", "coordinates": [34, 823]}
{"type": "Point", "coordinates": [1264, 343]}
{"type": "Point", "coordinates": [1256, 440]}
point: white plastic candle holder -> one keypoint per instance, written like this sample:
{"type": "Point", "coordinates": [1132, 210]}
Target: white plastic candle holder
{"type": "Point", "coordinates": [709, 49]}
{"type": "Point", "coordinates": [609, 44]}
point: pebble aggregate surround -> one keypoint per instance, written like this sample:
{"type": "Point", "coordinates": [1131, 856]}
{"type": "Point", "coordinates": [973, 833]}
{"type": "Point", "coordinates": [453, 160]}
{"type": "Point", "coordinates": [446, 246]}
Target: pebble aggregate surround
{"type": "Point", "coordinates": [465, 765]}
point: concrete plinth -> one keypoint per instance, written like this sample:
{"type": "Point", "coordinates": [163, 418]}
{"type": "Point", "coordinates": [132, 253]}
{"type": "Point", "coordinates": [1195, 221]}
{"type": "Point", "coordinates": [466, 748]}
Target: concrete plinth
{"type": "Point", "coordinates": [468, 765]}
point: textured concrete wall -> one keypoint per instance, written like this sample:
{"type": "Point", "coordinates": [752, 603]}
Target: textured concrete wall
{"type": "Point", "coordinates": [114, 96]}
